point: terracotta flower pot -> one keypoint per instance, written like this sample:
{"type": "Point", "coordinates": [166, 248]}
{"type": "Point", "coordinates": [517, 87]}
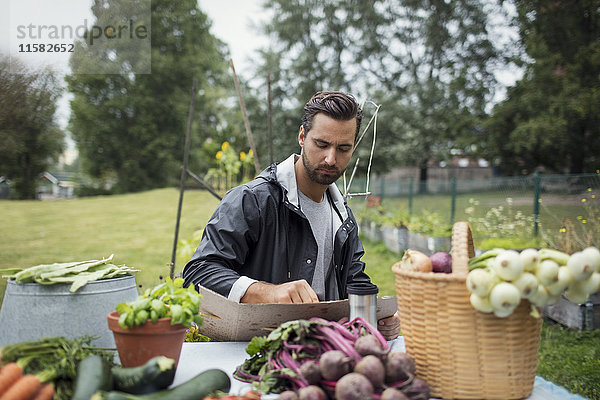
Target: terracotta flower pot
{"type": "Point", "coordinates": [143, 342]}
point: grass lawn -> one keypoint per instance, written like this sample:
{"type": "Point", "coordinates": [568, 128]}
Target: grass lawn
{"type": "Point", "coordinates": [138, 228]}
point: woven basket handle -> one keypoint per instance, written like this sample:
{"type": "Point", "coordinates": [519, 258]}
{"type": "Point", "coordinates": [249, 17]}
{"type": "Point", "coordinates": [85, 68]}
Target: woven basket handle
{"type": "Point", "coordinates": [462, 248]}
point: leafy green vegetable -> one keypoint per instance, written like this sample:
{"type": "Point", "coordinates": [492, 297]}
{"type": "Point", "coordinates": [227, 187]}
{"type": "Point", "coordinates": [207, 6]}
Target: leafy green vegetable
{"type": "Point", "coordinates": [55, 357]}
{"type": "Point", "coordinates": [256, 344]}
{"type": "Point", "coordinates": [77, 273]}
{"type": "Point", "coordinates": [275, 360]}
{"type": "Point", "coordinates": [166, 300]}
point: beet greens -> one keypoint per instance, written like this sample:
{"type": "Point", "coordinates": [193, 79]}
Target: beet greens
{"type": "Point", "coordinates": [275, 361]}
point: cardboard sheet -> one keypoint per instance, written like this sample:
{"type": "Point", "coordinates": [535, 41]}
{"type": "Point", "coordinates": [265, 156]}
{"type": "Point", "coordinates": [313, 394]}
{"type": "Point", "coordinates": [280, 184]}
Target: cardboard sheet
{"type": "Point", "coordinates": [226, 320]}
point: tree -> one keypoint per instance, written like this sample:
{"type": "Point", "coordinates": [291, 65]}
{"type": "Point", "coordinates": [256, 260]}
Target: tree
{"type": "Point", "coordinates": [130, 127]}
{"type": "Point", "coordinates": [551, 117]}
{"type": "Point", "coordinates": [430, 64]}
{"type": "Point", "coordinates": [30, 137]}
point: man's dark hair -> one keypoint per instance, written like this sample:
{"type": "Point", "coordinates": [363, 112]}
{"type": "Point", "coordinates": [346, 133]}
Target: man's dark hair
{"type": "Point", "coordinates": [337, 105]}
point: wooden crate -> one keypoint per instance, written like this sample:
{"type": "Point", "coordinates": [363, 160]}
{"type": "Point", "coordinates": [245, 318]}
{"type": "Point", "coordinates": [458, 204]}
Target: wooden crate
{"type": "Point", "coordinates": [584, 316]}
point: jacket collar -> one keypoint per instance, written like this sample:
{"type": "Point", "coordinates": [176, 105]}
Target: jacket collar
{"type": "Point", "coordinates": [285, 175]}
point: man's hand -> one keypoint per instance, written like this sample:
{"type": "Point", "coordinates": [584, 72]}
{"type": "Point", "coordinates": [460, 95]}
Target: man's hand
{"type": "Point", "coordinates": [289, 292]}
{"type": "Point", "coordinates": [389, 327]}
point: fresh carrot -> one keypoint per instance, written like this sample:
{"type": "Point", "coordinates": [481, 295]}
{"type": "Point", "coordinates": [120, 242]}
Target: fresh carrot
{"type": "Point", "coordinates": [46, 392]}
{"type": "Point", "coordinates": [23, 389]}
{"type": "Point", "coordinates": [9, 374]}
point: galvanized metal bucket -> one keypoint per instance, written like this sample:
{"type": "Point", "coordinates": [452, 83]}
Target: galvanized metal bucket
{"type": "Point", "coordinates": [31, 311]}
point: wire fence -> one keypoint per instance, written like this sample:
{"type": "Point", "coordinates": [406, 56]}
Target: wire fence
{"type": "Point", "coordinates": [561, 209]}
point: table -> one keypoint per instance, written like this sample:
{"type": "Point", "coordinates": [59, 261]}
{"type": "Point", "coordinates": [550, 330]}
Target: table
{"type": "Point", "coordinates": [197, 357]}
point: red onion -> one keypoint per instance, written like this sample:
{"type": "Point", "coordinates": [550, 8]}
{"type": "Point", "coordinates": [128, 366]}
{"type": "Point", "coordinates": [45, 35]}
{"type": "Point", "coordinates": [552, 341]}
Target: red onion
{"type": "Point", "coordinates": [441, 262]}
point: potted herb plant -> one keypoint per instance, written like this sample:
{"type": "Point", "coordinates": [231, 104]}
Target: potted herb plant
{"type": "Point", "coordinates": [155, 323]}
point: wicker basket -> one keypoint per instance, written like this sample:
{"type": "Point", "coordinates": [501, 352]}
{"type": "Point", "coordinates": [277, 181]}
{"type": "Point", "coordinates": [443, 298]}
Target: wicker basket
{"type": "Point", "coordinates": [460, 352]}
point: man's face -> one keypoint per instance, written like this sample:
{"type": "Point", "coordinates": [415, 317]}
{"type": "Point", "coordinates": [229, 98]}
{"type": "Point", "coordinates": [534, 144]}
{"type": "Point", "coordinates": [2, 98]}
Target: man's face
{"type": "Point", "coordinates": [327, 148]}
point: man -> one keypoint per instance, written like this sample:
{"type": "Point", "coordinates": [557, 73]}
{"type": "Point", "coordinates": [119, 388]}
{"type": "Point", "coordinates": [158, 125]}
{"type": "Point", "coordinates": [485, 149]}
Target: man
{"type": "Point", "coordinates": [288, 236]}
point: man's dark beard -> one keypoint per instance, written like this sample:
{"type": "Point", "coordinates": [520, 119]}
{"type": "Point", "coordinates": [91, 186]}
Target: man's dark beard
{"type": "Point", "coordinates": [320, 179]}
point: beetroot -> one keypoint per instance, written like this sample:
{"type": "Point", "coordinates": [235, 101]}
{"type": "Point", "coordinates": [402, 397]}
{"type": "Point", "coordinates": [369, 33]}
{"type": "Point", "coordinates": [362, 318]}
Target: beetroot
{"type": "Point", "coordinates": [371, 367]}
{"type": "Point", "coordinates": [417, 390]}
{"type": "Point", "coordinates": [441, 262]}
{"type": "Point", "coordinates": [288, 395]}
{"type": "Point", "coordinates": [353, 386]}
{"type": "Point", "coordinates": [311, 372]}
{"type": "Point", "coordinates": [399, 366]}
{"type": "Point", "coordinates": [393, 394]}
{"type": "Point", "coordinates": [369, 344]}
{"type": "Point", "coordinates": [311, 392]}
{"type": "Point", "coordinates": [334, 364]}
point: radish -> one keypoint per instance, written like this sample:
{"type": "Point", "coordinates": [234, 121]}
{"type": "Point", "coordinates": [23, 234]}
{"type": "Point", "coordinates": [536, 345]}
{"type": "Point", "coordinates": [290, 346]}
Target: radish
{"type": "Point", "coordinates": [311, 392]}
{"type": "Point", "coordinates": [393, 394]}
{"type": "Point", "coordinates": [311, 372]}
{"type": "Point", "coordinates": [353, 386]}
{"type": "Point", "coordinates": [441, 262]}
{"type": "Point", "coordinates": [417, 390]}
{"type": "Point", "coordinates": [508, 265]}
{"type": "Point", "coordinates": [399, 366]}
{"type": "Point", "coordinates": [581, 265]}
{"type": "Point", "coordinates": [288, 395]}
{"type": "Point", "coordinates": [369, 344]}
{"type": "Point", "coordinates": [371, 367]}
{"type": "Point", "coordinates": [334, 364]}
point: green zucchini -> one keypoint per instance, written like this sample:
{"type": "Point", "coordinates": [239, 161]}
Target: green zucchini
{"type": "Point", "coordinates": [156, 374]}
{"type": "Point", "coordinates": [93, 374]}
{"type": "Point", "coordinates": [200, 386]}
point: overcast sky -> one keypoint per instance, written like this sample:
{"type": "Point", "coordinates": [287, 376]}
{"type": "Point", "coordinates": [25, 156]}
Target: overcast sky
{"type": "Point", "coordinates": [231, 22]}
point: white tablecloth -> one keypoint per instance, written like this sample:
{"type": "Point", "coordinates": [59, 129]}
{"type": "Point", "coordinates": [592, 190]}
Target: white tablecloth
{"type": "Point", "coordinates": [197, 357]}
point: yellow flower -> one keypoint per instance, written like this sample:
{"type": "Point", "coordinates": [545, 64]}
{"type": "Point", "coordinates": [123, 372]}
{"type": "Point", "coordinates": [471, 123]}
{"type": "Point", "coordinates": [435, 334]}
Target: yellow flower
{"type": "Point", "coordinates": [583, 200]}
{"type": "Point", "coordinates": [250, 153]}
{"type": "Point", "coordinates": [242, 156]}
{"type": "Point", "coordinates": [219, 155]}
{"type": "Point", "coordinates": [225, 146]}
{"type": "Point", "coordinates": [563, 229]}
{"type": "Point", "coordinates": [584, 221]}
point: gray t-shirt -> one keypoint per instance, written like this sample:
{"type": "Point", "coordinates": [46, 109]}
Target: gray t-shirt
{"type": "Point", "coordinates": [320, 217]}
